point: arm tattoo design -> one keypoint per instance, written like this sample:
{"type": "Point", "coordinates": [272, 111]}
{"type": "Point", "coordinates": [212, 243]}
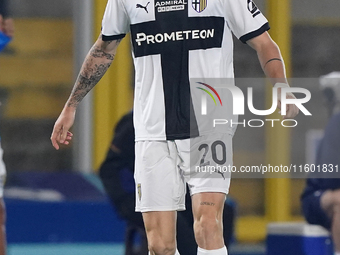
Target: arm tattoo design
{"type": "Point", "coordinates": [96, 65]}
{"type": "Point", "coordinates": [207, 203]}
{"type": "Point", "coordinates": [98, 53]}
{"type": "Point", "coordinates": [270, 60]}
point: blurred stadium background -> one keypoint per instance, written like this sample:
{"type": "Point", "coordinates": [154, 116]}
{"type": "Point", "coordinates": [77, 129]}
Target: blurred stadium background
{"type": "Point", "coordinates": [36, 75]}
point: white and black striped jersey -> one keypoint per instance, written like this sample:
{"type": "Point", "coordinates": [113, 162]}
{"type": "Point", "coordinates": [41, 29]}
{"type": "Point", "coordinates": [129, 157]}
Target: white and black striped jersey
{"type": "Point", "coordinates": [174, 41]}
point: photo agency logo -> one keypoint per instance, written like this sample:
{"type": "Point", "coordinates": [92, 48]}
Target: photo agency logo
{"type": "Point", "coordinates": [280, 91]}
{"type": "Point", "coordinates": [204, 98]}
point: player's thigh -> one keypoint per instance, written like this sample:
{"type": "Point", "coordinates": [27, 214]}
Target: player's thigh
{"type": "Point", "coordinates": [208, 204]}
{"type": "Point", "coordinates": [159, 184]}
{"type": "Point", "coordinates": [206, 162]}
{"type": "Point", "coordinates": [160, 226]}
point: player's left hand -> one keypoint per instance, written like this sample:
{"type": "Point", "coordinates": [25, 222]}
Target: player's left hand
{"type": "Point", "coordinates": [292, 110]}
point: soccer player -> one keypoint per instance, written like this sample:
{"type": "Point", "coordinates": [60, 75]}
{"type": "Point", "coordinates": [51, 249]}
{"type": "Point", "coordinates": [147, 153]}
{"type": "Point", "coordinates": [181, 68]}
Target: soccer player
{"type": "Point", "coordinates": [174, 41]}
{"type": "Point", "coordinates": [6, 27]}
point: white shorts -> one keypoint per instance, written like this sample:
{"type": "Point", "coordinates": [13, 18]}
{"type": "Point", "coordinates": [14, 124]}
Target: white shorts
{"type": "Point", "coordinates": [2, 173]}
{"type": "Point", "coordinates": [163, 167]}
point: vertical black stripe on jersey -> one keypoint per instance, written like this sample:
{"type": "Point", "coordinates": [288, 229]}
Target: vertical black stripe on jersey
{"type": "Point", "coordinates": [180, 121]}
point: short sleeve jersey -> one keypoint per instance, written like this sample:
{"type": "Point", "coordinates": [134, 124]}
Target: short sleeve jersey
{"type": "Point", "coordinates": [174, 41]}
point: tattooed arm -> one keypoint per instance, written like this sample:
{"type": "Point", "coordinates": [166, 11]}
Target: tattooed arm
{"type": "Point", "coordinates": [95, 65]}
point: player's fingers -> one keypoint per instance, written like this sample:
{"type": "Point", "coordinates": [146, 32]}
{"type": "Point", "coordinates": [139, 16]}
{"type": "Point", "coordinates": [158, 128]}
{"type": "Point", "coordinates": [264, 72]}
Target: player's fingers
{"type": "Point", "coordinates": [295, 111]}
{"type": "Point", "coordinates": [63, 134]}
{"type": "Point", "coordinates": [287, 109]}
{"type": "Point", "coordinates": [292, 111]}
{"type": "Point", "coordinates": [55, 144]}
{"type": "Point", "coordinates": [279, 104]}
{"type": "Point", "coordinates": [69, 136]}
{"type": "Point", "coordinates": [54, 137]}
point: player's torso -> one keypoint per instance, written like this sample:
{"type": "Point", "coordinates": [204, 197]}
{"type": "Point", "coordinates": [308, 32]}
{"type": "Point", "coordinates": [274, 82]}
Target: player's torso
{"type": "Point", "coordinates": [174, 41]}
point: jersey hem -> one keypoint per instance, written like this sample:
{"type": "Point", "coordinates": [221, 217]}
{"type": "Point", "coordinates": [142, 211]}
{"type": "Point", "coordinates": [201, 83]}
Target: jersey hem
{"type": "Point", "coordinates": [212, 132]}
{"type": "Point", "coordinates": [158, 138]}
{"type": "Point", "coordinates": [179, 136]}
{"type": "Point", "coordinates": [255, 33]}
{"type": "Point", "coordinates": [208, 189]}
{"type": "Point", "coordinates": [160, 208]}
{"type": "Point", "coordinates": [112, 37]}
{"type": "Point", "coordinates": [169, 138]}
{"type": "Point", "coordinates": [164, 138]}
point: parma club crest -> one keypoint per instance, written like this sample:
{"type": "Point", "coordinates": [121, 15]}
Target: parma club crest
{"type": "Point", "coordinates": [199, 5]}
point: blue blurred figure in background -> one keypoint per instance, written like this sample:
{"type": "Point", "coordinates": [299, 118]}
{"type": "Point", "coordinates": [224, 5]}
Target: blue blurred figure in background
{"type": "Point", "coordinates": [321, 197]}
